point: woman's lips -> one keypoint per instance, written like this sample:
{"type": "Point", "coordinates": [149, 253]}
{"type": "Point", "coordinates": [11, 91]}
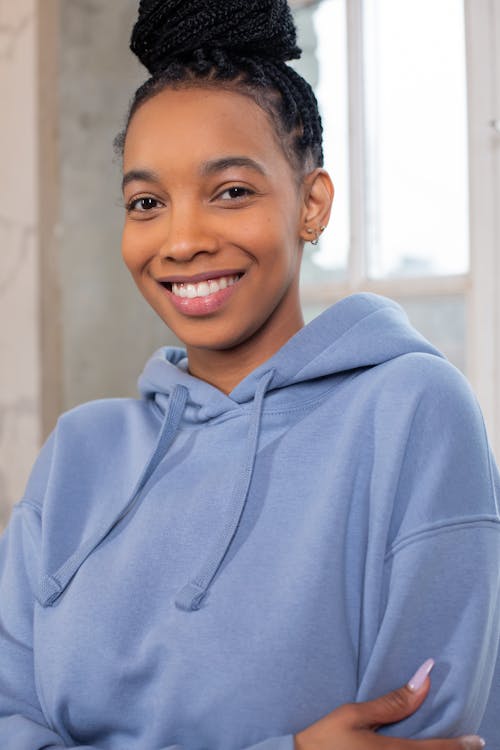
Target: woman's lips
{"type": "Point", "coordinates": [201, 297]}
{"type": "Point", "coordinates": [205, 276]}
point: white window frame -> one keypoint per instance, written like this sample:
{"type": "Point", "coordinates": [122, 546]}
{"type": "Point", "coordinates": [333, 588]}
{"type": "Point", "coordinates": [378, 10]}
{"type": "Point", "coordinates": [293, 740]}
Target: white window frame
{"type": "Point", "coordinates": [481, 286]}
{"type": "Point", "coordinates": [483, 302]}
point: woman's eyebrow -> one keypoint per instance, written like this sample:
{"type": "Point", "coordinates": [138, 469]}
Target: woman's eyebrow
{"type": "Point", "coordinates": [207, 168]}
{"type": "Point", "coordinates": [145, 175]}
{"type": "Point", "coordinates": [226, 162]}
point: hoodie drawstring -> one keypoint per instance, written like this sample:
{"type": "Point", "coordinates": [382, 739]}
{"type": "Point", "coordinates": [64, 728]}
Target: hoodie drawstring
{"type": "Point", "coordinates": [51, 587]}
{"type": "Point", "coordinates": [192, 594]}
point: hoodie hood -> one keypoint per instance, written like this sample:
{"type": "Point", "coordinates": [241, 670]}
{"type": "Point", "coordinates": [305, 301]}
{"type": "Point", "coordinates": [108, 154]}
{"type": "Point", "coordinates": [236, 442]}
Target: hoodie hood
{"type": "Point", "coordinates": [359, 332]}
{"type": "Point", "coordinates": [362, 330]}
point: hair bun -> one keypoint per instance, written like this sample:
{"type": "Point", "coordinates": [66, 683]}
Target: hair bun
{"type": "Point", "coordinates": [168, 30]}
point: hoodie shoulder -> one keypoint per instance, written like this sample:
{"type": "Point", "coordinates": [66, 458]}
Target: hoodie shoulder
{"type": "Point", "coordinates": [437, 388]}
{"type": "Point", "coordinates": [448, 474]}
{"type": "Point", "coordinates": [84, 430]}
{"type": "Point", "coordinates": [91, 458]}
{"type": "Point", "coordinates": [101, 411]}
{"type": "Point", "coordinates": [84, 473]}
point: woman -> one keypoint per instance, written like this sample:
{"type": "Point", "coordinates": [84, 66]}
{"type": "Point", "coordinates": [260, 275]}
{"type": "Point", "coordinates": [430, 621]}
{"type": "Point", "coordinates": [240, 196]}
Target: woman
{"type": "Point", "coordinates": [291, 518]}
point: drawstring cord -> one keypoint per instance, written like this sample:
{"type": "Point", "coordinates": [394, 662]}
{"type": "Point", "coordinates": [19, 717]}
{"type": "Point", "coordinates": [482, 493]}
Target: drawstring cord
{"type": "Point", "coordinates": [52, 586]}
{"type": "Point", "coordinates": [192, 594]}
{"type": "Point", "coordinates": [190, 597]}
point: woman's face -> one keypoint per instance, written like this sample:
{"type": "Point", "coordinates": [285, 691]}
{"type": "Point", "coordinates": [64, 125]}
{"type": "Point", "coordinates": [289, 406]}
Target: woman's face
{"type": "Point", "coordinates": [214, 218]}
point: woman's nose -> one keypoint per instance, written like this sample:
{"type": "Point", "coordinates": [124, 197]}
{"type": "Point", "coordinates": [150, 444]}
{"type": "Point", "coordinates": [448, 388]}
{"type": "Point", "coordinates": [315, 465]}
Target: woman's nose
{"type": "Point", "coordinates": [188, 234]}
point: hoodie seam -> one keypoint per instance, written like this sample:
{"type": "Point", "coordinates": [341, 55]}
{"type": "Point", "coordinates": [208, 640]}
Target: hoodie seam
{"type": "Point", "coordinates": [304, 405]}
{"type": "Point", "coordinates": [439, 528]}
{"type": "Point", "coordinates": [26, 502]}
{"type": "Point", "coordinates": [245, 409]}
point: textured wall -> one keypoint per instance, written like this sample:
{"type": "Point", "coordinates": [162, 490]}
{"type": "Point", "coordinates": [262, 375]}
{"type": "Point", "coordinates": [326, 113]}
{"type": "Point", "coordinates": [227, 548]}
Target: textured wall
{"type": "Point", "coordinates": [19, 344]}
{"type": "Point", "coordinates": [108, 329]}
{"type": "Point", "coordinates": [72, 325]}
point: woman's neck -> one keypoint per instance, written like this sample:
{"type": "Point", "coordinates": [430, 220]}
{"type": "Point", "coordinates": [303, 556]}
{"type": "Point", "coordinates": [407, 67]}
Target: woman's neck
{"type": "Point", "coordinates": [225, 368]}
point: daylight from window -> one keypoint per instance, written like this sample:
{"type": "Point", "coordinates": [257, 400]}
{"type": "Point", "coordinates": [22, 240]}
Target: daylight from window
{"type": "Point", "coordinates": [415, 93]}
{"type": "Point", "coordinates": [416, 171]}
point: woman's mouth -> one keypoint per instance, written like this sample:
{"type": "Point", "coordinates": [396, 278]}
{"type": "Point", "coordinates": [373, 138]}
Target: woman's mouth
{"type": "Point", "coordinates": [201, 297]}
{"type": "Point", "coordinates": [203, 288]}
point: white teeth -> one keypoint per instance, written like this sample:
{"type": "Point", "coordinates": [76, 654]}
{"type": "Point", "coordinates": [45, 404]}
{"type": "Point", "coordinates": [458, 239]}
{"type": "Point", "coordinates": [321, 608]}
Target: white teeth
{"type": "Point", "coordinates": [203, 288]}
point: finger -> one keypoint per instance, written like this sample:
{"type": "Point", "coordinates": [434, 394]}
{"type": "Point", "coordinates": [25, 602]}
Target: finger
{"type": "Point", "coordinates": [396, 705]}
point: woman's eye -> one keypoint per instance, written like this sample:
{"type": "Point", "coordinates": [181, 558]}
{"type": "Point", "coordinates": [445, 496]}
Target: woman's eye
{"type": "Point", "coordinates": [143, 204]}
{"type": "Point", "coordinates": [234, 193]}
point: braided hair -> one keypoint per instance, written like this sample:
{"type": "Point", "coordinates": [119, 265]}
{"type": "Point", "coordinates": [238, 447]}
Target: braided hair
{"type": "Point", "coordinates": [241, 45]}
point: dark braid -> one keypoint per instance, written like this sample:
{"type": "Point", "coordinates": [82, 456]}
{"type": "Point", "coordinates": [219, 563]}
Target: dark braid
{"type": "Point", "coordinates": [172, 28]}
{"type": "Point", "coordinates": [241, 45]}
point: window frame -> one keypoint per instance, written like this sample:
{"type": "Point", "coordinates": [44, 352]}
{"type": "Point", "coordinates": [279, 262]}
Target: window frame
{"type": "Point", "coordinates": [483, 308]}
{"type": "Point", "coordinates": [481, 285]}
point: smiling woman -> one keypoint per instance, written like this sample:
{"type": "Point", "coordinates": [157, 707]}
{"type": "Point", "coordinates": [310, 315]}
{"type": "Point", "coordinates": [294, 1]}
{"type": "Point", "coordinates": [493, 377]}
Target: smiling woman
{"type": "Point", "coordinates": [218, 206]}
{"type": "Point", "coordinates": [260, 550]}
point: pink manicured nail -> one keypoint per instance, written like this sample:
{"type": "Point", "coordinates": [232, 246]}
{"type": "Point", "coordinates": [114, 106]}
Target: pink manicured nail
{"type": "Point", "coordinates": [420, 675]}
{"type": "Point", "coordinates": [472, 742]}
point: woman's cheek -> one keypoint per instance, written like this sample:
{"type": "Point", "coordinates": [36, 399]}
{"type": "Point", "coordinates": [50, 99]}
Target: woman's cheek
{"type": "Point", "coordinates": [137, 248]}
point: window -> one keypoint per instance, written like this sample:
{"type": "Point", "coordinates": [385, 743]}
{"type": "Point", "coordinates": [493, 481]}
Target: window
{"type": "Point", "coordinates": [412, 140]}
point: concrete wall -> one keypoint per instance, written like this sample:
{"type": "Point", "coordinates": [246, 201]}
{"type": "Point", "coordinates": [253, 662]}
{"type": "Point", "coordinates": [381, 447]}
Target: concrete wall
{"type": "Point", "coordinates": [108, 330]}
{"type": "Point", "coordinates": [19, 288]}
{"type": "Point", "coordinates": [72, 325]}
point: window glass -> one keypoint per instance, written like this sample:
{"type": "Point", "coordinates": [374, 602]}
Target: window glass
{"type": "Point", "coordinates": [441, 319]}
{"type": "Point", "coordinates": [416, 137]}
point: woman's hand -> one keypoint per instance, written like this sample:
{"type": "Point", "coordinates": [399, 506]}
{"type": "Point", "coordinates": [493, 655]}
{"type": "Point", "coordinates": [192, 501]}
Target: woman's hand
{"type": "Point", "coordinates": [354, 725]}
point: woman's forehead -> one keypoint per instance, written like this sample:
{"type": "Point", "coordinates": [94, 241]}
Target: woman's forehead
{"type": "Point", "coordinates": [200, 125]}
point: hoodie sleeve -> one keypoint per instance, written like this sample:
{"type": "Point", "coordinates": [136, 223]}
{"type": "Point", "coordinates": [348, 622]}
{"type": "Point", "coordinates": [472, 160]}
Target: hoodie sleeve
{"type": "Point", "coordinates": [437, 592]}
{"type": "Point", "coordinates": [23, 725]}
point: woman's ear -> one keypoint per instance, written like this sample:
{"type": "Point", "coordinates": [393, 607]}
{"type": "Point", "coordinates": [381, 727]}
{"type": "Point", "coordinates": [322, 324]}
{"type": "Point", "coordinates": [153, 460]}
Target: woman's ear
{"type": "Point", "coordinates": [318, 192]}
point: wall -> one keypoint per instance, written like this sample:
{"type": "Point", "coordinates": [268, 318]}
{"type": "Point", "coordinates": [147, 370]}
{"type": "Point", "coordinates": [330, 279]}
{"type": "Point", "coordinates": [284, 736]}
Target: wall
{"type": "Point", "coordinates": [108, 330]}
{"type": "Point", "coordinates": [72, 325]}
{"type": "Point", "coordinates": [19, 301]}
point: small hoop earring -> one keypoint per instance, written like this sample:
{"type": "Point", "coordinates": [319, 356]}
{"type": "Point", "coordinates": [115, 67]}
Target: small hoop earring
{"type": "Point", "coordinates": [310, 230]}
{"type": "Point", "coordinates": [316, 233]}
{"type": "Point", "coordinates": [316, 239]}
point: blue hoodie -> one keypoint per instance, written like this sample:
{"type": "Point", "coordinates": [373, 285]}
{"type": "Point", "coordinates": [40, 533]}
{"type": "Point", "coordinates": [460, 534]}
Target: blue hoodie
{"type": "Point", "coordinates": [205, 571]}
